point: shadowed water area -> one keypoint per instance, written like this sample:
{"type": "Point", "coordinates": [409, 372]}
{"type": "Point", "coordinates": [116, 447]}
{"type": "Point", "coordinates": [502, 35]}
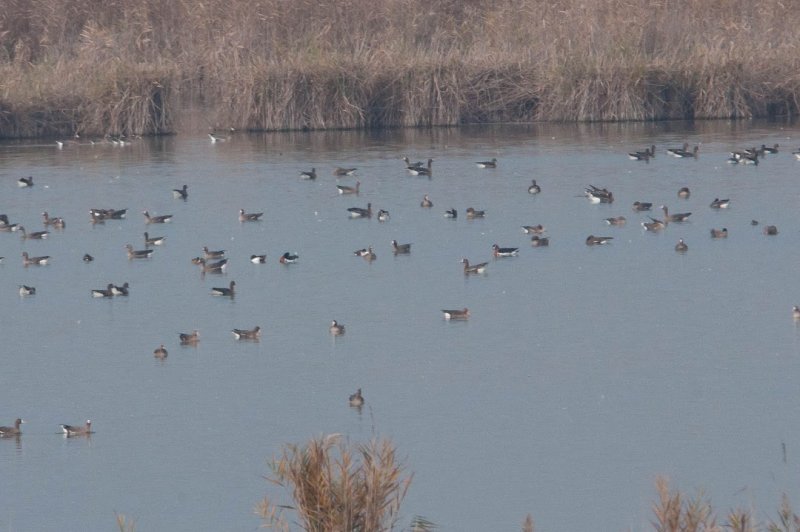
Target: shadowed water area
{"type": "Point", "coordinates": [582, 373]}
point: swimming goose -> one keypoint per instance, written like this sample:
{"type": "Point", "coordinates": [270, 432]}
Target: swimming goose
{"type": "Point", "coordinates": [462, 314]}
{"type": "Point", "coordinates": [360, 252]}
{"type": "Point", "coordinates": [211, 267]}
{"type": "Point", "coordinates": [8, 228]}
{"type": "Point", "coordinates": [677, 217]}
{"type": "Point", "coordinates": [472, 213]}
{"type": "Point", "coordinates": [356, 400]}
{"type": "Point", "coordinates": [216, 138]}
{"type": "Point", "coordinates": [11, 431]}
{"type": "Point", "coordinates": [681, 246]}
{"type": "Point", "coordinates": [36, 235]}
{"type": "Point", "coordinates": [210, 255]}
{"type": "Point", "coordinates": [719, 233]}
{"type": "Point", "coordinates": [358, 212]}
{"type": "Point", "coordinates": [533, 229]}
{"type": "Point", "coordinates": [25, 290]}
{"type": "Point", "coordinates": [685, 153]}
{"type": "Point", "coordinates": [539, 241]}
{"type": "Point", "coordinates": [655, 225]}
{"type": "Point", "coordinates": [258, 259]}
{"type": "Point", "coordinates": [163, 219]}
{"type": "Point", "coordinates": [534, 188]}
{"type": "Point", "coordinates": [34, 261]}
{"type": "Point", "coordinates": [160, 352]}
{"type": "Point", "coordinates": [244, 334]}
{"type": "Point", "coordinates": [249, 216]}
{"type": "Point", "coordinates": [56, 221]}
{"type": "Point", "coordinates": [336, 328]}
{"type": "Point", "coordinates": [426, 202]}
{"type": "Point", "coordinates": [639, 206]}
{"type": "Point", "coordinates": [122, 290]}
{"type": "Point", "coordinates": [289, 258]}
{"type": "Point", "coordinates": [474, 268]}
{"type": "Point", "coordinates": [180, 193]}
{"type": "Point", "coordinates": [138, 253]}
{"type": "Point", "coordinates": [796, 312]}
{"type": "Point", "coordinates": [768, 150]}
{"type": "Point", "coordinates": [684, 193]}
{"type": "Point", "coordinates": [349, 190]}
{"type": "Point", "coordinates": [675, 151]}
{"type": "Point", "coordinates": [230, 291]}
{"type": "Point", "coordinates": [339, 172]}
{"type": "Point", "coordinates": [599, 195]}
{"type": "Point", "coordinates": [309, 175]}
{"type": "Point", "coordinates": [451, 213]}
{"type": "Point", "coordinates": [421, 170]}
{"type": "Point", "coordinates": [87, 258]}
{"type": "Point", "coordinates": [101, 215]}
{"type": "Point", "coordinates": [720, 203]}
{"type": "Point", "coordinates": [643, 155]}
{"type": "Point", "coordinates": [487, 164]}
{"type": "Point", "coordinates": [497, 251]}
{"type": "Point", "coordinates": [770, 230]}
{"type": "Point", "coordinates": [153, 241]}
{"type": "Point", "coordinates": [77, 430]}
{"type": "Point", "coordinates": [592, 240]}
{"type": "Point", "coordinates": [25, 182]}
{"type": "Point", "coordinates": [409, 164]}
{"type": "Point", "coordinates": [369, 256]}
{"type": "Point", "coordinates": [617, 221]}
{"type": "Point", "coordinates": [189, 338]}
{"type": "Point", "coordinates": [383, 215]}
{"type": "Point", "coordinates": [107, 292]}
{"type": "Point", "coordinates": [400, 249]}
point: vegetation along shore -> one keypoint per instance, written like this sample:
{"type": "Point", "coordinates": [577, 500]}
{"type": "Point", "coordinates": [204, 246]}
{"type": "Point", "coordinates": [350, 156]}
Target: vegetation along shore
{"type": "Point", "coordinates": [133, 66]}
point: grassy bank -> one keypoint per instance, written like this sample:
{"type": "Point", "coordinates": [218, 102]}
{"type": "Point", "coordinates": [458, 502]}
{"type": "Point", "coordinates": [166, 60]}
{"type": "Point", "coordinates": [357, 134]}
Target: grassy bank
{"type": "Point", "coordinates": [129, 66]}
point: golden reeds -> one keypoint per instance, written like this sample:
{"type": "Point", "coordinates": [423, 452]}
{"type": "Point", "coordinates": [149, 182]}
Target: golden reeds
{"type": "Point", "coordinates": [132, 66]}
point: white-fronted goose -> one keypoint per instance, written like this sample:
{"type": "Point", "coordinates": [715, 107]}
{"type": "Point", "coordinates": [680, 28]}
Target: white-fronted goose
{"type": "Point", "coordinates": [470, 269]}
{"type": "Point", "coordinates": [719, 233]}
{"type": "Point", "coordinates": [5, 432]}
{"type": "Point", "coordinates": [163, 219]}
{"type": "Point", "coordinates": [400, 249]}
{"type": "Point", "coordinates": [341, 172]}
{"type": "Point", "coordinates": [677, 217]}
{"type": "Point", "coordinates": [154, 240]}
{"type": "Point", "coordinates": [720, 203]}
{"type": "Point", "coordinates": [230, 291]}
{"type": "Point", "coordinates": [539, 241]}
{"type": "Point", "coordinates": [249, 216]}
{"type": "Point", "coordinates": [36, 235]}
{"type": "Point", "coordinates": [349, 190]}
{"type": "Point", "coordinates": [55, 221]}
{"type": "Point", "coordinates": [189, 338]}
{"type": "Point", "coordinates": [211, 267]}
{"type": "Point", "coordinates": [617, 221]}
{"type": "Point", "coordinates": [244, 334]}
{"type": "Point", "coordinates": [654, 225]}
{"type": "Point", "coordinates": [426, 202]}
{"type": "Point", "coordinates": [472, 213]}
{"type": "Point", "coordinates": [213, 255]}
{"type": "Point", "coordinates": [34, 261]}
{"type": "Point", "coordinates": [160, 352]}
{"type": "Point", "coordinates": [681, 246]}
{"type": "Point", "coordinates": [686, 153]}
{"type": "Point", "coordinates": [639, 206]}
{"type": "Point", "coordinates": [78, 430]}
{"type": "Point", "coordinates": [462, 314]}
{"type": "Point", "coordinates": [675, 151]}
{"type": "Point", "coordinates": [533, 229]}
{"type": "Point", "coordinates": [336, 328]}
{"type": "Point", "coordinates": [138, 253]}
{"type": "Point", "coordinates": [592, 240]}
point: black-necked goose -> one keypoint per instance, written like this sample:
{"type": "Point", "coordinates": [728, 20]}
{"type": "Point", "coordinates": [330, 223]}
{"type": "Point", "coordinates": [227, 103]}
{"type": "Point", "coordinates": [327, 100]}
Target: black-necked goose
{"type": "Point", "coordinates": [121, 290]}
{"type": "Point", "coordinates": [681, 246]}
{"type": "Point", "coordinates": [472, 213]}
{"type": "Point", "coordinates": [78, 430]}
{"type": "Point", "coordinates": [497, 251]}
{"type": "Point", "coordinates": [12, 431]}
{"type": "Point", "coordinates": [249, 216]}
{"type": "Point", "coordinates": [138, 253]}
{"type": "Point", "coordinates": [25, 290]}
{"type": "Point", "coordinates": [160, 352]}
{"type": "Point", "coordinates": [341, 172]}
{"type": "Point", "coordinates": [104, 292]}
{"type": "Point", "coordinates": [684, 193]}
{"type": "Point", "coordinates": [23, 182]}
{"type": "Point", "coordinates": [383, 215]}
{"type": "Point", "coordinates": [336, 328]}
{"type": "Point", "coordinates": [312, 174]}
{"type": "Point", "coordinates": [451, 213]}
{"type": "Point", "coordinates": [54, 221]}
{"type": "Point", "coordinates": [400, 249]}
{"type": "Point", "coordinates": [487, 164]}
{"type": "Point", "coordinates": [358, 212]}
{"type": "Point", "coordinates": [677, 217]}
{"type": "Point", "coordinates": [349, 190]}
{"type": "Point", "coordinates": [36, 235]}
{"type": "Point", "coordinates": [162, 219]}
{"type": "Point", "coordinates": [153, 240]}
{"type": "Point", "coordinates": [462, 314]}
{"type": "Point", "coordinates": [639, 206]}
{"type": "Point", "coordinates": [426, 202]}
{"type": "Point", "coordinates": [34, 261]}
{"type": "Point", "coordinates": [258, 259]}
{"type": "Point", "coordinates": [473, 268]}
{"type": "Point", "coordinates": [356, 400]}
{"type": "Point", "coordinates": [230, 291]}
{"type": "Point", "coordinates": [719, 233]}
{"type": "Point", "coordinates": [189, 338]}
{"type": "Point", "coordinates": [213, 255]}
{"type": "Point", "coordinates": [539, 241]}
{"type": "Point", "coordinates": [770, 230]}
{"type": "Point", "coordinates": [654, 225]}
{"type": "Point", "coordinates": [598, 195]}
{"type": "Point", "coordinates": [289, 258]}
{"type": "Point", "coordinates": [720, 203]}
{"type": "Point", "coordinates": [616, 221]}
{"type": "Point", "coordinates": [534, 188]}
{"type": "Point", "coordinates": [675, 151]}
{"type": "Point", "coordinates": [180, 193]}
{"type": "Point", "coordinates": [421, 170]}
{"type": "Point", "coordinates": [592, 240]}
{"type": "Point", "coordinates": [533, 229]}
{"type": "Point", "coordinates": [244, 334]}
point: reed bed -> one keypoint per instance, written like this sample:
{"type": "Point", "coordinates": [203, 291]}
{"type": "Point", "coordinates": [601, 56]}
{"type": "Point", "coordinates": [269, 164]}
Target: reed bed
{"type": "Point", "coordinates": [133, 66]}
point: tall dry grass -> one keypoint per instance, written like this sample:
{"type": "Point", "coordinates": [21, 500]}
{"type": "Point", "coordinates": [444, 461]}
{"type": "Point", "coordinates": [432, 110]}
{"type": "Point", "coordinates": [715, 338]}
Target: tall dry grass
{"type": "Point", "coordinates": [338, 486]}
{"type": "Point", "coordinates": [131, 66]}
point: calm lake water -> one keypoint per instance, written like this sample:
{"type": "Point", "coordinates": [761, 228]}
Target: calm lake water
{"type": "Point", "coordinates": [582, 374]}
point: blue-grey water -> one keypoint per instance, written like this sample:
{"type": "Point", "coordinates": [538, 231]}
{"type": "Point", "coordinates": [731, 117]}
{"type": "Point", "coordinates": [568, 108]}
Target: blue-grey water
{"type": "Point", "coordinates": [582, 375]}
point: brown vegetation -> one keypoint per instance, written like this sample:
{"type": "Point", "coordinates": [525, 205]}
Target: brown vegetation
{"type": "Point", "coordinates": [131, 66]}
